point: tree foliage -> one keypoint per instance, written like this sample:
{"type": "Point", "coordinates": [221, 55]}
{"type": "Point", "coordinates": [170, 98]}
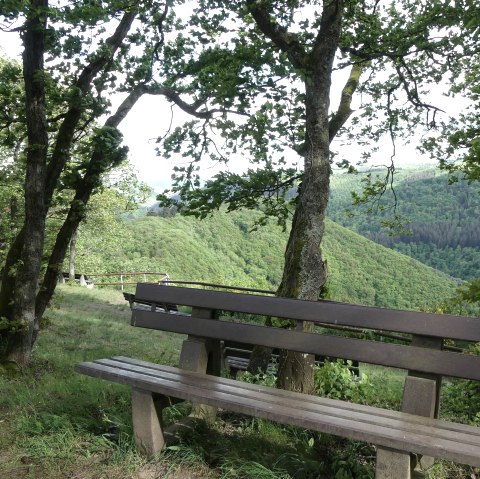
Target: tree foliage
{"type": "Point", "coordinates": [275, 107]}
{"type": "Point", "coordinates": [71, 64]}
{"type": "Point", "coordinates": [457, 146]}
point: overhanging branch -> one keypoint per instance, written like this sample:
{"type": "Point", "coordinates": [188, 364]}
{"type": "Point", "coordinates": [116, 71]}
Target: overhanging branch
{"type": "Point", "coordinates": [286, 41]}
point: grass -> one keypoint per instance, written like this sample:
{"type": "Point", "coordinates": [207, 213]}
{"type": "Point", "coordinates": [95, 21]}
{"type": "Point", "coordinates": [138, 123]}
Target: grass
{"type": "Point", "coordinates": [58, 424]}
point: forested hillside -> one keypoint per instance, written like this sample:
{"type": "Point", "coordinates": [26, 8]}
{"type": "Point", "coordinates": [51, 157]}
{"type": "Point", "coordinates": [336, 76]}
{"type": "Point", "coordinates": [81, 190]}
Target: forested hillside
{"type": "Point", "coordinates": [445, 222]}
{"type": "Point", "coordinates": [222, 249]}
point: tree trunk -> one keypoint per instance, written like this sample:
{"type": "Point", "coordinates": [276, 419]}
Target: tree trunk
{"type": "Point", "coordinates": [261, 356]}
{"type": "Point", "coordinates": [71, 260]}
{"type": "Point", "coordinates": [19, 325]}
{"type": "Point", "coordinates": [20, 328]}
{"type": "Point", "coordinates": [97, 166]}
{"type": "Point", "coordinates": [304, 272]}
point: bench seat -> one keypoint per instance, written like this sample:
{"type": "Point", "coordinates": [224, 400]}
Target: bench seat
{"type": "Point", "coordinates": [391, 429]}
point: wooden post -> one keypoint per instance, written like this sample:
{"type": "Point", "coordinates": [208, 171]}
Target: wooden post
{"type": "Point", "coordinates": [429, 404]}
{"type": "Point", "coordinates": [421, 396]}
{"type": "Point", "coordinates": [121, 280]}
{"type": "Point", "coordinates": [392, 464]}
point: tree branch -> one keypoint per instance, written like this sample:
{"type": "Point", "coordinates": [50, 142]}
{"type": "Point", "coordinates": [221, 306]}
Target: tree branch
{"type": "Point", "coordinates": [191, 109]}
{"type": "Point", "coordinates": [91, 179]}
{"type": "Point", "coordinates": [344, 109]}
{"type": "Point", "coordinates": [286, 41]}
{"type": "Point", "coordinates": [330, 25]}
{"type": "Point", "coordinates": [66, 131]}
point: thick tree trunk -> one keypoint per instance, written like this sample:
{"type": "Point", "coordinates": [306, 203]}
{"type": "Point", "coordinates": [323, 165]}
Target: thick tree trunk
{"type": "Point", "coordinates": [304, 272]}
{"type": "Point", "coordinates": [20, 327]}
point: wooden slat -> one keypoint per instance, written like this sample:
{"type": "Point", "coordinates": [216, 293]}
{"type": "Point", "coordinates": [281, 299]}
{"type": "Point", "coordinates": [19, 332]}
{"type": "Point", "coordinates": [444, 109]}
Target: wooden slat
{"type": "Point", "coordinates": [387, 428]}
{"type": "Point", "coordinates": [400, 420]}
{"type": "Point", "coordinates": [283, 394]}
{"type": "Point", "coordinates": [328, 312]}
{"type": "Point", "coordinates": [372, 352]}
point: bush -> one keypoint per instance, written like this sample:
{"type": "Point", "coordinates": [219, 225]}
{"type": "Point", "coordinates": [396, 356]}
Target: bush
{"type": "Point", "coordinates": [461, 398]}
{"type": "Point", "coordinates": [336, 380]}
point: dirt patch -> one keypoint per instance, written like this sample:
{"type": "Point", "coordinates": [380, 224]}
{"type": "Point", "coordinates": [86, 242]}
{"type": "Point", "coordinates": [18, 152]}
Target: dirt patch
{"type": "Point", "coordinates": [161, 471]}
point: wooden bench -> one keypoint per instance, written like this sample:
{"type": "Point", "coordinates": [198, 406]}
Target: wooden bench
{"type": "Point", "coordinates": [139, 303]}
{"type": "Point", "coordinates": [404, 439]}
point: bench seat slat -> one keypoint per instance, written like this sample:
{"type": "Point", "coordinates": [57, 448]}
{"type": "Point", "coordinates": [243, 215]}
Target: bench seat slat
{"type": "Point", "coordinates": [327, 312]}
{"type": "Point", "coordinates": [394, 355]}
{"type": "Point", "coordinates": [310, 403]}
{"type": "Point", "coordinates": [315, 400]}
{"type": "Point", "coordinates": [263, 402]}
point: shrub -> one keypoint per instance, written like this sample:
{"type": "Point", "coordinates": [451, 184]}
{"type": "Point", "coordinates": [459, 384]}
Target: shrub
{"type": "Point", "coordinates": [336, 380]}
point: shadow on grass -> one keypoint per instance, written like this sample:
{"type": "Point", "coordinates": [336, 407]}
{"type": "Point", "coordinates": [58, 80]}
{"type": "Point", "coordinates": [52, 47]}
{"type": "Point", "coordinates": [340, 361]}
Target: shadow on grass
{"type": "Point", "coordinates": [238, 446]}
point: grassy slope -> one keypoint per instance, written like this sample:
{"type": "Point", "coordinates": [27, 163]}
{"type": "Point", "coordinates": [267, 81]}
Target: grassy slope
{"type": "Point", "coordinates": [221, 249]}
{"type": "Point", "coordinates": [56, 423]}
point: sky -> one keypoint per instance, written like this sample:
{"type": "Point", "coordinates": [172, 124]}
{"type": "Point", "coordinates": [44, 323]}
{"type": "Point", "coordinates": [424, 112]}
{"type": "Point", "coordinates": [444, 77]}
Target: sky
{"type": "Point", "coordinates": [152, 115]}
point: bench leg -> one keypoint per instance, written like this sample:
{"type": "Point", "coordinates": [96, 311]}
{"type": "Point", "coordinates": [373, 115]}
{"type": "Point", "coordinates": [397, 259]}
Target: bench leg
{"type": "Point", "coordinates": [194, 357]}
{"type": "Point", "coordinates": [421, 396]}
{"type": "Point", "coordinates": [393, 464]}
{"type": "Point", "coordinates": [147, 422]}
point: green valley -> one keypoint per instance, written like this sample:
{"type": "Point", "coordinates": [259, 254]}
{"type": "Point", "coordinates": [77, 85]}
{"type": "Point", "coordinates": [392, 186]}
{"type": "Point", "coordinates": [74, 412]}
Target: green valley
{"type": "Point", "coordinates": [444, 220]}
{"type": "Point", "coordinates": [222, 249]}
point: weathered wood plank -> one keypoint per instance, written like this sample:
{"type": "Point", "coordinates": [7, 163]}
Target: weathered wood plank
{"type": "Point", "coordinates": [373, 352]}
{"type": "Point", "coordinates": [328, 312]}
{"type": "Point", "coordinates": [423, 440]}
{"type": "Point", "coordinates": [315, 400]}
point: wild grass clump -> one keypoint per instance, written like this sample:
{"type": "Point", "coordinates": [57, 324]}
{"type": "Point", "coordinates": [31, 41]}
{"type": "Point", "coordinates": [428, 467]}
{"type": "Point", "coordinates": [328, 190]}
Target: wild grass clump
{"type": "Point", "coordinates": [336, 380]}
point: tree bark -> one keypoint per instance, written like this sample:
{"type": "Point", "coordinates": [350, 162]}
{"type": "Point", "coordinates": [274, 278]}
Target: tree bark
{"type": "Point", "coordinates": [22, 265]}
{"type": "Point", "coordinates": [20, 329]}
{"type": "Point", "coordinates": [304, 272]}
{"type": "Point", "coordinates": [18, 285]}
{"type": "Point", "coordinates": [71, 259]}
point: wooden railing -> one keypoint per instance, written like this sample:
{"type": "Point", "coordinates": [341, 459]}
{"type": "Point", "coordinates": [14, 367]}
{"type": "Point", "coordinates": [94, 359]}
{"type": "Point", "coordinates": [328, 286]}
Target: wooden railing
{"type": "Point", "coordinates": [123, 278]}
{"type": "Point", "coordinates": [163, 278]}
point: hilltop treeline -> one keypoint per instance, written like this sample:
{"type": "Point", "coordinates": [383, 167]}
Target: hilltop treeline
{"type": "Point", "coordinates": [443, 228]}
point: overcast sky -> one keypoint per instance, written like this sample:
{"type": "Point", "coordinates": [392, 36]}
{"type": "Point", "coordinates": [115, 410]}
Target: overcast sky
{"type": "Point", "coordinates": [151, 118]}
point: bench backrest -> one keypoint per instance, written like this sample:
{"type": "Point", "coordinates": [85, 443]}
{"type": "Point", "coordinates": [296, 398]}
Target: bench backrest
{"type": "Point", "coordinates": [424, 355]}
